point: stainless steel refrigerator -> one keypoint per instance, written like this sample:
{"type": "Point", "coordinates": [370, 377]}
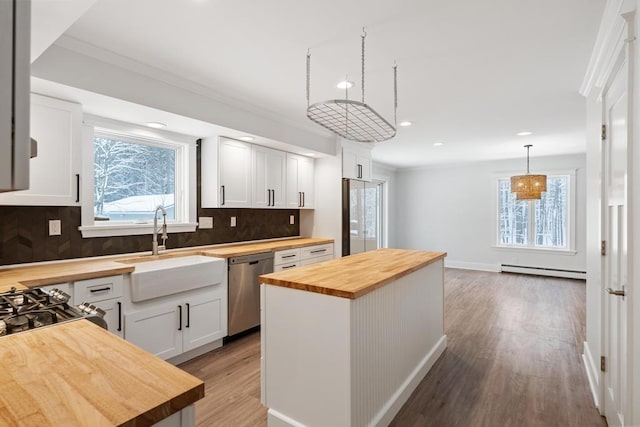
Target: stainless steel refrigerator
{"type": "Point", "coordinates": [361, 216]}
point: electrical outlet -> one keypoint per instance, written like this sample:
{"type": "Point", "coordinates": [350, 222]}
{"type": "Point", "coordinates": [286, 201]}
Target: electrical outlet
{"type": "Point", "coordinates": [233, 221]}
{"type": "Point", "coordinates": [55, 227]}
{"type": "Point", "coordinates": [205, 222]}
{"type": "Point", "coordinates": [292, 219]}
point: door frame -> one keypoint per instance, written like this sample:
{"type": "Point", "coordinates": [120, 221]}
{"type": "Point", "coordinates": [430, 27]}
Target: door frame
{"type": "Point", "coordinates": [624, 51]}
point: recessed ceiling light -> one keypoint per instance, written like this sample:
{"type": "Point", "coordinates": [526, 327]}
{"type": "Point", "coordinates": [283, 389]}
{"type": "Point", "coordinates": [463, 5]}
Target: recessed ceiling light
{"type": "Point", "coordinates": [438, 144]}
{"type": "Point", "coordinates": [345, 84]}
{"type": "Point", "coordinates": [156, 125]}
{"type": "Point", "coordinates": [247, 138]}
{"type": "Point", "coordinates": [405, 123]}
{"type": "Point", "coordinates": [524, 133]}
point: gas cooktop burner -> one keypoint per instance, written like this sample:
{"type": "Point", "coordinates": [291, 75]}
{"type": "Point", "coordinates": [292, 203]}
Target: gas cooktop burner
{"type": "Point", "coordinates": [31, 308]}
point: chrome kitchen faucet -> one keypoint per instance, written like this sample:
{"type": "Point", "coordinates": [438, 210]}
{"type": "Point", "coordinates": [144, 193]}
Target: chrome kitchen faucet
{"type": "Point", "coordinates": [164, 237]}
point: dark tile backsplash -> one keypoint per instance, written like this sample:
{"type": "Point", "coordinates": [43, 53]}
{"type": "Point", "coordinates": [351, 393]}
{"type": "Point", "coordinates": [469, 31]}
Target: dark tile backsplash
{"type": "Point", "coordinates": [24, 232]}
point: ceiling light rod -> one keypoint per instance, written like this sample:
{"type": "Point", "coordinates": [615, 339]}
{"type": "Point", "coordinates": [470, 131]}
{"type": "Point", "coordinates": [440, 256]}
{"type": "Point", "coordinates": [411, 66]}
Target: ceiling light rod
{"type": "Point", "coordinates": [351, 119]}
{"type": "Point", "coordinates": [527, 147]}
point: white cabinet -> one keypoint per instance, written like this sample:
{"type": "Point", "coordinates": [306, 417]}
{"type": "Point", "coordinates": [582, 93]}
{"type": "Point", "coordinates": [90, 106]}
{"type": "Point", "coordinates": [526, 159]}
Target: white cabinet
{"type": "Point", "coordinates": [356, 162]}
{"type": "Point", "coordinates": [300, 182]}
{"type": "Point", "coordinates": [269, 168]}
{"type": "Point", "coordinates": [177, 324]}
{"type": "Point", "coordinates": [15, 45]}
{"type": "Point", "coordinates": [286, 259]}
{"type": "Point", "coordinates": [105, 293]}
{"type": "Point", "coordinates": [54, 174]}
{"type": "Point", "coordinates": [225, 173]}
{"type": "Point", "coordinates": [292, 258]}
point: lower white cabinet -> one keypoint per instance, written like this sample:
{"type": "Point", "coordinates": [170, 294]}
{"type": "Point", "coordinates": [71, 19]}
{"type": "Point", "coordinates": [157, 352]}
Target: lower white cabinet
{"type": "Point", "coordinates": [179, 323]}
{"type": "Point", "coordinates": [292, 258]}
{"type": "Point", "coordinates": [105, 293]}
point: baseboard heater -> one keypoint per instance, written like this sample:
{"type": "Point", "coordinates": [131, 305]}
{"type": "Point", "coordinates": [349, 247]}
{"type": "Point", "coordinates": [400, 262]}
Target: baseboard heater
{"type": "Point", "coordinates": [543, 271]}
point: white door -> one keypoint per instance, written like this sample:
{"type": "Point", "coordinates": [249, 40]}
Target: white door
{"type": "Point", "coordinates": [157, 330]}
{"type": "Point", "coordinates": [235, 174]}
{"type": "Point", "coordinates": [204, 320]}
{"type": "Point", "coordinates": [615, 271]}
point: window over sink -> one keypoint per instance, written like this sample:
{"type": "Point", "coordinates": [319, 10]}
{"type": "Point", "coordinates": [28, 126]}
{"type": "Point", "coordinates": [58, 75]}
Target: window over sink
{"type": "Point", "coordinates": [129, 171]}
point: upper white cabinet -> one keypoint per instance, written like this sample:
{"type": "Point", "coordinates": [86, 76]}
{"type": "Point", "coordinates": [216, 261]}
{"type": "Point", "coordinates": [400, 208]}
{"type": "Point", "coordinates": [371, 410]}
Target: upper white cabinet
{"type": "Point", "coordinates": [269, 168]}
{"type": "Point", "coordinates": [55, 172]}
{"type": "Point", "coordinates": [15, 35]}
{"type": "Point", "coordinates": [300, 182]}
{"type": "Point", "coordinates": [236, 174]}
{"type": "Point", "coordinates": [226, 173]}
{"type": "Point", "coordinates": [356, 162]}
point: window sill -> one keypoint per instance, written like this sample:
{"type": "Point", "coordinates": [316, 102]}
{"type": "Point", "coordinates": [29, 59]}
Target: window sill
{"type": "Point", "coordinates": [110, 230]}
{"type": "Point", "coordinates": [536, 250]}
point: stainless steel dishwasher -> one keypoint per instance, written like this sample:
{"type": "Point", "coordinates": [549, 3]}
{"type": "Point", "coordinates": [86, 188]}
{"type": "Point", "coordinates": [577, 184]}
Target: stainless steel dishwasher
{"type": "Point", "coordinates": [244, 290]}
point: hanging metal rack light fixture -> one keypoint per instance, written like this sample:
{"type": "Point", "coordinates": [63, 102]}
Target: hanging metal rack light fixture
{"type": "Point", "coordinates": [351, 119]}
{"type": "Point", "coordinates": [528, 187]}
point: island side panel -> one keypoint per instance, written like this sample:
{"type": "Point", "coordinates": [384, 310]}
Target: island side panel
{"type": "Point", "coordinates": [306, 357]}
{"type": "Point", "coordinates": [397, 335]}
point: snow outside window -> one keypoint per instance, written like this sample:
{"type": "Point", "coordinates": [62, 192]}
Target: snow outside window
{"type": "Point", "coordinates": [540, 224]}
{"type": "Point", "coordinates": [128, 172]}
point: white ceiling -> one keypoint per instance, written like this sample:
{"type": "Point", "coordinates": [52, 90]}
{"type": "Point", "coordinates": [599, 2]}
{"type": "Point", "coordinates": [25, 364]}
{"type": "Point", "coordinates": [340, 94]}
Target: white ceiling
{"type": "Point", "coordinates": [471, 73]}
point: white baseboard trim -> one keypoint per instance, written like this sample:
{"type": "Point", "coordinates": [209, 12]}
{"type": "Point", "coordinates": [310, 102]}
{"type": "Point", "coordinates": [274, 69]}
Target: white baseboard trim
{"type": "Point", "coordinates": [278, 419]}
{"type": "Point", "coordinates": [592, 374]}
{"type": "Point", "coordinates": [400, 397]}
{"type": "Point", "coordinates": [463, 265]}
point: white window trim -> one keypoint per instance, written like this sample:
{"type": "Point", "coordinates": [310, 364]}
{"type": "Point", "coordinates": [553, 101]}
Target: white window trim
{"type": "Point", "coordinates": [571, 235]}
{"type": "Point", "coordinates": [186, 192]}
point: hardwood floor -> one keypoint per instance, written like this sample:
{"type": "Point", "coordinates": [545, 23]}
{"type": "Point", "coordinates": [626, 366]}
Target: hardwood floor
{"type": "Point", "coordinates": [513, 359]}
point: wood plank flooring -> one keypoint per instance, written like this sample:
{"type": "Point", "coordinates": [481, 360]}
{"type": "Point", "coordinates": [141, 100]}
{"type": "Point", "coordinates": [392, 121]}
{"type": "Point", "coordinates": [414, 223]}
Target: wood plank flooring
{"type": "Point", "coordinates": [513, 359]}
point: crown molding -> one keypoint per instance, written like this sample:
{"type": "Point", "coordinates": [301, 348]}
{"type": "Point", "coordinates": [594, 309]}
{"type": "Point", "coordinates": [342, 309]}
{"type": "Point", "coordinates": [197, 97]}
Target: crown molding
{"type": "Point", "coordinates": [609, 42]}
{"type": "Point", "coordinates": [98, 53]}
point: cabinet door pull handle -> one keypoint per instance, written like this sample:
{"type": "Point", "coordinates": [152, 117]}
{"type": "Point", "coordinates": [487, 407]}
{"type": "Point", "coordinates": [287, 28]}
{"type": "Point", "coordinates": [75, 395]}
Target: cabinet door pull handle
{"type": "Point", "coordinates": [289, 266]}
{"type": "Point", "coordinates": [100, 290]}
{"type": "Point", "coordinates": [77, 188]}
{"type": "Point", "coordinates": [300, 199]}
{"type": "Point", "coordinates": [188, 315]}
{"type": "Point", "coordinates": [273, 197]}
{"type": "Point", "coordinates": [119, 316]}
{"type": "Point", "coordinates": [180, 317]}
{"type": "Point", "coordinates": [222, 191]}
{"type": "Point", "coordinates": [304, 202]}
{"type": "Point", "coordinates": [289, 256]}
{"type": "Point", "coordinates": [317, 251]}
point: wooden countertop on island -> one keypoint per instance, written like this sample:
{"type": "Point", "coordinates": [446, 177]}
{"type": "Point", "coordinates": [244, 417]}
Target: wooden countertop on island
{"type": "Point", "coordinates": [354, 275]}
{"type": "Point", "coordinates": [255, 248]}
{"type": "Point", "coordinates": [78, 374]}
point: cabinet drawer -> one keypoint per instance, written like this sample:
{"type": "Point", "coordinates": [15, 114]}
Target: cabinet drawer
{"type": "Point", "coordinates": [99, 289]}
{"type": "Point", "coordinates": [287, 266]}
{"type": "Point", "coordinates": [316, 260]}
{"type": "Point", "coordinates": [316, 251]}
{"type": "Point", "coordinates": [286, 257]}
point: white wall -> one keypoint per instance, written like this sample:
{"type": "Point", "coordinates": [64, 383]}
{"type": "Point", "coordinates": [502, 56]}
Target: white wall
{"type": "Point", "coordinates": [326, 219]}
{"type": "Point", "coordinates": [388, 175]}
{"type": "Point", "coordinates": [454, 209]}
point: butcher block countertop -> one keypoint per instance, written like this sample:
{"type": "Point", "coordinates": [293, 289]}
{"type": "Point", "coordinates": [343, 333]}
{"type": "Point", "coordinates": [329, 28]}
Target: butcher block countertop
{"type": "Point", "coordinates": [355, 275]}
{"type": "Point", "coordinates": [78, 374]}
{"type": "Point", "coordinates": [255, 248]}
{"type": "Point", "coordinates": [31, 276]}
{"type": "Point", "coordinates": [48, 274]}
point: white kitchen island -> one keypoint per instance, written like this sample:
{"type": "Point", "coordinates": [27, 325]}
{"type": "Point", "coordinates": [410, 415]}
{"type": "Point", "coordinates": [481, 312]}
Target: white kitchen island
{"type": "Point", "coordinates": [345, 342]}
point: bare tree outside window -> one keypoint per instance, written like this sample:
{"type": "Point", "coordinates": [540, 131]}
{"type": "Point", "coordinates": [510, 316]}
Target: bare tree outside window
{"type": "Point", "coordinates": [550, 216]}
{"type": "Point", "coordinates": [131, 179]}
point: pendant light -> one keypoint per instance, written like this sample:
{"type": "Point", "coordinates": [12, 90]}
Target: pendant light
{"type": "Point", "coordinates": [528, 187]}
